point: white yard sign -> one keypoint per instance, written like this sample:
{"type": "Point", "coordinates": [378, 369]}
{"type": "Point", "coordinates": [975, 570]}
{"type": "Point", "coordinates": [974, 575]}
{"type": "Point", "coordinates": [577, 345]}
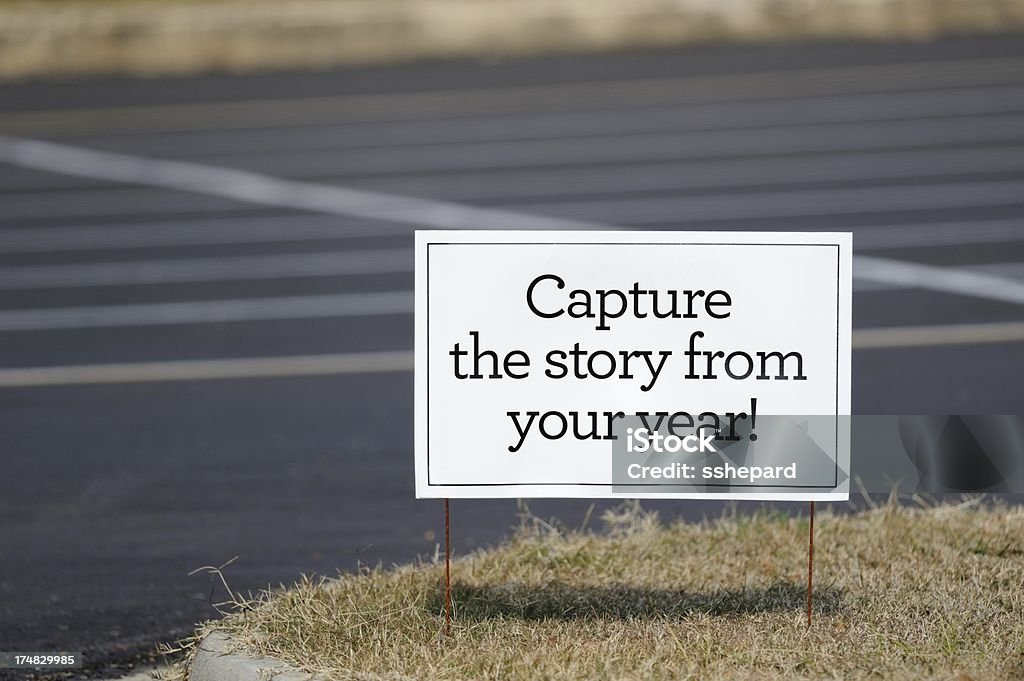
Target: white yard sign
{"type": "Point", "coordinates": [633, 364]}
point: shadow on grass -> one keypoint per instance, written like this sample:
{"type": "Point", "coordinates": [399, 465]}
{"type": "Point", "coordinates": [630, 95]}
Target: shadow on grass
{"type": "Point", "coordinates": [558, 600]}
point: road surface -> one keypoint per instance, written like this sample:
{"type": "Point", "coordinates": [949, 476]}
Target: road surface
{"type": "Point", "coordinates": [218, 228]}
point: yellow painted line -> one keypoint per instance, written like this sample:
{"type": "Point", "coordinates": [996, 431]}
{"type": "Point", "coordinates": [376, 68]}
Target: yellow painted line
{"type": "Point", "coordinates": [209, 369]}
{"type": "Point", "coordinates": [402, 361]}
{"type": "Point", "coordinates": [947, 334]}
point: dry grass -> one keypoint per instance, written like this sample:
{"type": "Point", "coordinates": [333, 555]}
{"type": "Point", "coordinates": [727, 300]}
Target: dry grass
{"type": "Point", "coordinates": [900, 593]}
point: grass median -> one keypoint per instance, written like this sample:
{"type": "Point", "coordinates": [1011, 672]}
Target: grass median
{"type": "Point", "coordinates": [905, 593]}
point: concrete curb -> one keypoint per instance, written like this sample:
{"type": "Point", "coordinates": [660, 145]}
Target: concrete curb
{"type": "Point", "coordinates": [216, 660]}
{"type": "Point", "coordinates": [74, 37]}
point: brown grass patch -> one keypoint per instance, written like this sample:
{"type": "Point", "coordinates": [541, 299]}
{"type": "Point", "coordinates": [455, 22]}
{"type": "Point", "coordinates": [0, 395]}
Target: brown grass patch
{"type": "Point", "coordinates": [905, 593]}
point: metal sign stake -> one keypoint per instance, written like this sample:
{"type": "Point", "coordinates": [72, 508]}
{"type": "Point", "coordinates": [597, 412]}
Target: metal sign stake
{"type": "Point", "coordinates": [447, 569]}
{"type": "Point", "coordinates": [810, 566]}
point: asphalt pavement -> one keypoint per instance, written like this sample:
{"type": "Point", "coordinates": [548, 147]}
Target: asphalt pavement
{"type": "Point", "coordinates": [128, 252]}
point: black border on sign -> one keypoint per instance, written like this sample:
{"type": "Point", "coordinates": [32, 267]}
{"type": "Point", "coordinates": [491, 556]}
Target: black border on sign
{"type": "Point", "coordinates": [731, 487]}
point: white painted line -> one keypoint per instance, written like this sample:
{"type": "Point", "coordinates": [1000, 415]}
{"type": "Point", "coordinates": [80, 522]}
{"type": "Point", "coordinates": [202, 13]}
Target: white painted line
{"type": "Point", "coordinates": [713, 148]}
{"type": "Point", "coordinates": [332, 264]}
{"type": "Point", "coordinates": [618, 180]}
{"type": "Point", "coordinates": [878, 271]}
{"type": "Point", "coordinates": [938, 234]}
{"type": "Point", "coordinates": [266, 190]}
{"type": "Point", "coordinates": [262, 229]}
{"type": "Point", "coordinates": [380, 362]}
{"type": "Point", "coordinates": [209, 369]}
{"type": "Point", "coordinates": [777, 172]}
{"type": "Point", "coordinates": [255, 267]}
{"type": "Point", "coordinates": [344, 263]}
{"type": "Point", "coordinates": [693, 145]}
{"type": "Point", "coordinates": [962, 103]}
{"type": "Point", "coordinates": [1007, 270]}
{"type": "Point", "coordinates": [782, 204]}
{"type": "Point", "coordinates": [159, 234]}
{"type": "Point", "coordinates": [946, 279]}
{"type": "Point", "coordinates": [623, 208]}
{"type": "Point", "coordinates": [104, 203]}
{"type": "Point", "coordinates": [208, 311]}
{"type": "Point", "coordinates": [951, 334]}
